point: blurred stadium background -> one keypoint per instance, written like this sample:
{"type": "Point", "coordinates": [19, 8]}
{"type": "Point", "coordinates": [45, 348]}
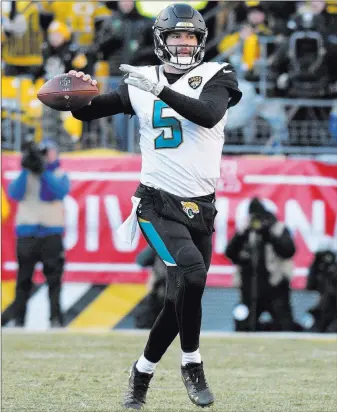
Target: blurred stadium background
{"type": "Point", "coordinates": [281, 145]}
{"type": "Point", "coordinates": [281, 141]}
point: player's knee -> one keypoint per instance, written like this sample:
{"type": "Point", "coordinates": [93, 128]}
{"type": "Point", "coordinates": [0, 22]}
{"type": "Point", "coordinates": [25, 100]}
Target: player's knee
{"type": "Point", "coordinates": [195, 279]}
{"type": "Point", "coordinates": [190, 261]}
{"type": "Point", "coordinates": [188, 256]}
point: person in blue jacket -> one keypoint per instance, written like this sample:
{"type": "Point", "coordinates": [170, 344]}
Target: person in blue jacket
{"type": "Point", "coordinates": [39, 190]}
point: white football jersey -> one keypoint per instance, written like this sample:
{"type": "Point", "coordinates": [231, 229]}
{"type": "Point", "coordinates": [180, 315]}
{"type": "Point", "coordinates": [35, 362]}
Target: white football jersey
{"type": "Point", "coordinates": [178, 156]}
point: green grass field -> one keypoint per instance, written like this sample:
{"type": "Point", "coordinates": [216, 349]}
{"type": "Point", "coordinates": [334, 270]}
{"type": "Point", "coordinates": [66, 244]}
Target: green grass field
{"type": "Point", "coordinates": [67, 372]}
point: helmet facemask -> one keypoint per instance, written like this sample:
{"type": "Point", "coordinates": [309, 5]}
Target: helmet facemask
{"type": "Point", "coordinates": [168, 54]}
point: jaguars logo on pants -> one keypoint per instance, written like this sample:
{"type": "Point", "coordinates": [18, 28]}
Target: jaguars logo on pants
{"type": "Point", "coordinates": [190, 208]}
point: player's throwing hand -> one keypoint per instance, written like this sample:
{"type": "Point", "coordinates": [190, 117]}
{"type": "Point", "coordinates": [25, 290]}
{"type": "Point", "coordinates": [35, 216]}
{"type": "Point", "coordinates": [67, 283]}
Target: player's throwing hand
{"type": "Point", "coordinates": [85, 77]}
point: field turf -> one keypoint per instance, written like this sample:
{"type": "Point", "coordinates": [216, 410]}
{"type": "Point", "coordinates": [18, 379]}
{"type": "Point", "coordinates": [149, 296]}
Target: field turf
{"type": "Point", "coordinates": [72, 372]}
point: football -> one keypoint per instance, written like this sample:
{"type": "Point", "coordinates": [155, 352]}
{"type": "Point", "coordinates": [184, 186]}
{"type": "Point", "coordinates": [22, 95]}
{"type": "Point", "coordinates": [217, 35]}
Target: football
{"type": "Point", "coordinates": [67, 92]}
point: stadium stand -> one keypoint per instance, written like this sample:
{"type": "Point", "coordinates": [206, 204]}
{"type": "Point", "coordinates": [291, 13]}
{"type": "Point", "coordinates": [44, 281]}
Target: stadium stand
{"type": "Point", "coordinates": [292, 114]}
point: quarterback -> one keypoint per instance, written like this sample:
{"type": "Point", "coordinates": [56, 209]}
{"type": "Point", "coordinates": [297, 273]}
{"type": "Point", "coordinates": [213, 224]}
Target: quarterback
{"type": "Point", "coordinates": [182, 109]}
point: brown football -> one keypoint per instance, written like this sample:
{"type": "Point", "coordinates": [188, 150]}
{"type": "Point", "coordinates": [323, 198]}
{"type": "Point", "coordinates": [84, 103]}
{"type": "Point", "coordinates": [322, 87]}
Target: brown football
{"type": "Point", "coordinates": [67, 92]}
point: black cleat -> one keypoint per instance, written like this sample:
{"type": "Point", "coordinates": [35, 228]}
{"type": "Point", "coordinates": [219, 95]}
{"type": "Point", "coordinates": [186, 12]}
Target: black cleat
{"type": "Point", "coordinates": [138, 385]}
{"type": "Point", "coordinates": [197, 387]}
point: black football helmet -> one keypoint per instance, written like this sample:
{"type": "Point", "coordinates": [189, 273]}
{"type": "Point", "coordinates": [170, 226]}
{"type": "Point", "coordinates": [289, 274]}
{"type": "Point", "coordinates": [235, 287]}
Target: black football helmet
{"type": "Point", "coordinates": [179, 17]}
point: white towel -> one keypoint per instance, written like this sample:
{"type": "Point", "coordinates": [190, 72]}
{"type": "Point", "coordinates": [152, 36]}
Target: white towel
{"type": "Point", "coordinates": [127, 230]}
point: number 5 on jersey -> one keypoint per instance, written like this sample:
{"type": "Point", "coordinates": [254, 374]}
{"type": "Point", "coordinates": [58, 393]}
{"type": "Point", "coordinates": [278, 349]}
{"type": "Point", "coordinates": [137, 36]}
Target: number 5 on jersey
{"type": "Point", "coordinates": [166, 140]}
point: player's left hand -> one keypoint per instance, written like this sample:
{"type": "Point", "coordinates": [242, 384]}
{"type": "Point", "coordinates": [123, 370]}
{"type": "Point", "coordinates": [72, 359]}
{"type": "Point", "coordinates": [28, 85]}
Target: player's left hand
{"type": "Point", "coordinates": [138, 79]}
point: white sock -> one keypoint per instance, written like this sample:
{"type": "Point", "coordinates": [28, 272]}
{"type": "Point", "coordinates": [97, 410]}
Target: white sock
{"type": "Point", "coordinates": [145, 366]}
{"type": "Point", "coordinates": [191, 357]}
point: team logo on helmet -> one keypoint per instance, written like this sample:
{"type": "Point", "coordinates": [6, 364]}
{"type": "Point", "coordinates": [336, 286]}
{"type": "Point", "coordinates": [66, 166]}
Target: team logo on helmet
{"type": "Point", "coordinates": [195, 81]}
{"type": "Point", "coordinates": [184, 24]}
{"type": "Point", "coordinates": [190, 208]}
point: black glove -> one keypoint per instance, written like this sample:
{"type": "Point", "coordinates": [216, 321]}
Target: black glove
{"type": "Point", "coordinates": [32, 160]}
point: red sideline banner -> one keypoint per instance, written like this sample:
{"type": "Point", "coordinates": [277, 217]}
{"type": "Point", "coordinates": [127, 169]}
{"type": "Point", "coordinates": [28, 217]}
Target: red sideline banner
{"type": "Point", "coordinates": [303, 194]}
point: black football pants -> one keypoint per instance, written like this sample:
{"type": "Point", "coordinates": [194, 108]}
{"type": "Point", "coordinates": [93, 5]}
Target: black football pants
{"type": "Point", "coordinates": [187, 256]}
{"type": "Point", "coordinates": [31, 250]}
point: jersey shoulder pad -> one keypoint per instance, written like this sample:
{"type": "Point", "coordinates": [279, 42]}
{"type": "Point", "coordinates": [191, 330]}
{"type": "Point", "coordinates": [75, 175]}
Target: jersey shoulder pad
{"type": "Point", "coordinates": [215, 65]}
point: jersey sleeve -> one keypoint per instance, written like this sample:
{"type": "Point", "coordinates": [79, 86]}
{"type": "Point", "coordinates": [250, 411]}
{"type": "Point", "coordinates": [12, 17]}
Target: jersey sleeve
{"type": "Point", "coordinates": [225, 78]}
{"type": "Point", "coordinates": [107, 104]}
{"type": "Point", "coordinates": [123, 92]}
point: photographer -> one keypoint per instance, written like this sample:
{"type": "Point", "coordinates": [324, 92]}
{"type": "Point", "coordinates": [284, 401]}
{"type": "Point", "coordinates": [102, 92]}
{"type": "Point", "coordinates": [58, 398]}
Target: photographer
{"type": "Point", "coordinates": [40, 189]}
{"type": "Point", "coordinates": [148, 310]}
{"type": "Point", "coordinates": [322, 278]}
{"type": "Point", "coordinates": [262, 252]}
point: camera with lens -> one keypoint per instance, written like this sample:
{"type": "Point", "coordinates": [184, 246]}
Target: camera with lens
{"type": "Point", "coordinates": [260, 222]}
{"type": "Point", "coordinates": [33, 158]}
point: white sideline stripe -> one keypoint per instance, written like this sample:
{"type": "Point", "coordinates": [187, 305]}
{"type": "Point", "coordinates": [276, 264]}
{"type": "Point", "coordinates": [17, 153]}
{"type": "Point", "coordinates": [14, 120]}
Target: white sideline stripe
{"type": "Point", "coordinates": [326, 337]}
{"type": "Point", "coordinates": [132, 267]}
{"type": "Point", "coordinates": [249, 179]}
{"type": "Point", "coordinates": [97, 176]}
{"type": "Point", "coordinates": [290, 180]}
{"type": "Point", "coordinates": [89, 267]}
{"type": "Point", "coordinates": [71, 292]}
{"type": "Point", "coordinates": [38, 310]}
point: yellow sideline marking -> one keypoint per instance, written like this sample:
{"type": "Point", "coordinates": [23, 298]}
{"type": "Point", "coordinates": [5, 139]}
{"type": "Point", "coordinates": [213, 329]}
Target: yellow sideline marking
{"type": "Point", "coordinates": [110, 307]}
{"type": "Point", "coordinates": [7, 293]}
{"type": "Point", "coordinates": [93, 153]}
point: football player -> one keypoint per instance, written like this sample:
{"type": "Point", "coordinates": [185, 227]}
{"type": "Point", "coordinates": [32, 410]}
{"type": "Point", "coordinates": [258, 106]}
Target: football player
{"type": "Point", "coordinates": [182, 108]}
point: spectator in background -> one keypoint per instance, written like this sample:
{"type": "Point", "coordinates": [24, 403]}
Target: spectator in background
{"type": "Point", "coordinates": [279, 13]}
{"type": "Point", "coordinates": [257, 23]}
{"type": "Point", "coordinates": [61, 54]}
{"type": "Point", "coordinates": [22, 38]}
{"type": "Point", "coordinates": [39, 190]}
{"type": "Point", "coordinates": [125, 37]}
{"type": "Point", "coordinates": [84, 17]}
{"type": "Point", "coordinates": [262, 251]}
{"type": "Point", "coordinates": [148, 310]}
{"type": "Point", "coordinates": [322, 278]}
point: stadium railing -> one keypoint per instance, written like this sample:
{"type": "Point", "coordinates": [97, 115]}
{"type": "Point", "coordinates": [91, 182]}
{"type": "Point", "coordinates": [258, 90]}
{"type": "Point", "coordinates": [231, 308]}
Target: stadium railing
{"type": "Point", "coordinates": [21, 119]}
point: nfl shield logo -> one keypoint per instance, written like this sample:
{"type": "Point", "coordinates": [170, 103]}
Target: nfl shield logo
{"type": "Point", "coordinates": [65, 82]}
{"type": "Point", "coordinates": [195, 81]}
